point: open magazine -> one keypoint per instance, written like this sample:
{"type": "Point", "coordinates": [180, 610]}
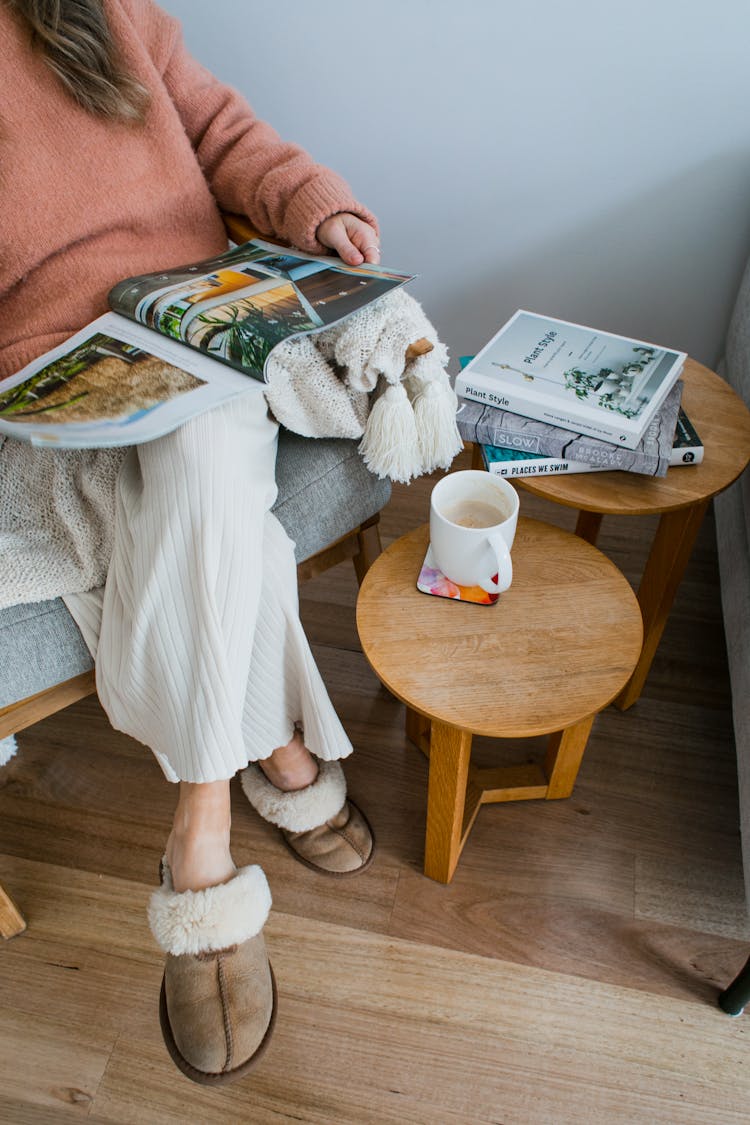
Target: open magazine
{"type": "Point", "coordinates": [181, 342]}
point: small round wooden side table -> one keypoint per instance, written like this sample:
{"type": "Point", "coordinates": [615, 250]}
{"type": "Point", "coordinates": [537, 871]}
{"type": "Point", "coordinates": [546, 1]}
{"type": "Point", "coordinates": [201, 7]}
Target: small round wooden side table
{"type": "Point", "coordinates": [555, 649]}
{"type": "Point", "coordinates": [680, 498]}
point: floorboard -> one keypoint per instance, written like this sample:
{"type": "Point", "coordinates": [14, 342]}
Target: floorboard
{"type": "Point", "coordinates": [568, 974]}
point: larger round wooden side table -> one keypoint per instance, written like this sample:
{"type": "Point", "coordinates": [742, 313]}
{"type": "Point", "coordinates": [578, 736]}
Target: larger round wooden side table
{"type": "Point", "coordinates": [555, 649]}
{"type": "Point", "coordinates": [680, 499]}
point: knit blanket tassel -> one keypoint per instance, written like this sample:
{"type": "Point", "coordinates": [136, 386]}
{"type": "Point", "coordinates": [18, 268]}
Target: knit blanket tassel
{"type": "Point", "coordinates": [356, 379]}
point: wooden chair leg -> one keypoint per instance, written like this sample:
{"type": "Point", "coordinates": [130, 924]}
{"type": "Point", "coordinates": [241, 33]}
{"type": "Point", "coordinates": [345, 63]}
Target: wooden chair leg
{"type": "Point", "coordinates": [369, 546]}
{"type": "Point", "coordinates": [362, 546]}
{"type": "Point", "coordinates": [17, 716]}
{"type": "Point", "coordinates": [11, 919]}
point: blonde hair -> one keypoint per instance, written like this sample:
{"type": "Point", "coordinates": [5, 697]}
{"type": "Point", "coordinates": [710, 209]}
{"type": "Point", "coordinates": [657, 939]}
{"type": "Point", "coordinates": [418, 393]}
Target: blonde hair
{"type": "Point", "coordinates": [75, 40]}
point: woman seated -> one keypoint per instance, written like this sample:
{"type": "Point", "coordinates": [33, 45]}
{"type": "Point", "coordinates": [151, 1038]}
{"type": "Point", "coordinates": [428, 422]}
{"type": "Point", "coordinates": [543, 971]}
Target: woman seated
{"type": "Point", "coordinates": [117, 150]}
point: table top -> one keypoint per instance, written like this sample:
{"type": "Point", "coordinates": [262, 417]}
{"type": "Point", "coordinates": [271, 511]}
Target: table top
{"type": "Point", "coordinates": [723, 424]}
{"type": "Point", "coordinates": [558, 646]}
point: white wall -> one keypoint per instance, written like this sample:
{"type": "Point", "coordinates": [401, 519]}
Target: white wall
{"type": "Point", "coordinates": [586, 160]}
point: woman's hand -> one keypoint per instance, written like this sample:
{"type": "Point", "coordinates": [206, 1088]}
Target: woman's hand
{"type": "Point", "coordinates": [354, 240]}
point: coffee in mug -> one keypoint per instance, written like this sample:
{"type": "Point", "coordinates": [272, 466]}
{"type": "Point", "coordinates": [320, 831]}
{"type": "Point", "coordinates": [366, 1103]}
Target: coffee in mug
{"type": "Point", "coordinates": [473, 518]}
{"type": "Point", "coordinates": [476, 513]}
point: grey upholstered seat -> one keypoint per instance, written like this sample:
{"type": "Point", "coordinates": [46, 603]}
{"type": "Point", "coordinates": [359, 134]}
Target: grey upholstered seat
{"type": "Point", "coordinates": [325, 491]}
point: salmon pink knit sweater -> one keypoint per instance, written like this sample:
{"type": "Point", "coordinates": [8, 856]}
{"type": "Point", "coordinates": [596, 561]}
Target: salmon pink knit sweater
{"type": "Point", "coordinates": [86, 202]}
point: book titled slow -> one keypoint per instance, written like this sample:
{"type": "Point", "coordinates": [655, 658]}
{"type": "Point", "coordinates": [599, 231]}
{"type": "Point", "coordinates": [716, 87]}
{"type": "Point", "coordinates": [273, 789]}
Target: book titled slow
{"type": "Point", "coordinates": [596, 383]}
{"type": "Point", "coordinates": [687, 449]}
{"type": "Point", "coordinates": [489, 425]}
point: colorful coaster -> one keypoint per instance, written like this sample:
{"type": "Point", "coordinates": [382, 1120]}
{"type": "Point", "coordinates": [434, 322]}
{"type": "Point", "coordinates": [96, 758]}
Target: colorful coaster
{"type": "Point", "coordinates": [433, 581]}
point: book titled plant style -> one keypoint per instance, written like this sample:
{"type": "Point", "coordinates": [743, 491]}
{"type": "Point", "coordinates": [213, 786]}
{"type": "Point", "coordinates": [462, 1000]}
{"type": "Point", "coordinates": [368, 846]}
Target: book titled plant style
{"type": "Point", "coordinates": [545, 445]}
{"type": "Point", "coordinates": [181, 342]}
{"type": "Point", "coordinates": [596, 383]}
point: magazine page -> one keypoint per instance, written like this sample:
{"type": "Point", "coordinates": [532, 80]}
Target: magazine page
{"type": "Point", "coordinates": [113, 383]}
{"type": "Point", "coordinates": [237, 306]}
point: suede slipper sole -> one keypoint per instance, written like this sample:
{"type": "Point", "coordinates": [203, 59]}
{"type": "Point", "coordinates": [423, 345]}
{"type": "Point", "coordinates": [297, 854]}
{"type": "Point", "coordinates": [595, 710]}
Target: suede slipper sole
{"type": "Point", "coordinates": [336, 874]}
{"type": "Point", "coordinates": [224, 1077]}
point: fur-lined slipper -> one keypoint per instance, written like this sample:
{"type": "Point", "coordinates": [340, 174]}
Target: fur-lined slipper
{"type": "Point", "coordinates": [218, 996]}
{"type": "Point", "coordinates": [319, 825]}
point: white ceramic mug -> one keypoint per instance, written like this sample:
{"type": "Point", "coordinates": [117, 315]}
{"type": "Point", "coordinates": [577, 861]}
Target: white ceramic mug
{"type": "Point", "coordinates": [473, 517]}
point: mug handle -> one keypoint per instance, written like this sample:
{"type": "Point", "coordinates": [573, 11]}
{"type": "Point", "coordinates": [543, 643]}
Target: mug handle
{"type": "Point", "coordinates": [504, 566]}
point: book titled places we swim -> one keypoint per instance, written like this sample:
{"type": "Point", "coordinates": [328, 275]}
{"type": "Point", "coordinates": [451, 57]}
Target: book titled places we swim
{"type": "Point", "coordinates": [609, 387]}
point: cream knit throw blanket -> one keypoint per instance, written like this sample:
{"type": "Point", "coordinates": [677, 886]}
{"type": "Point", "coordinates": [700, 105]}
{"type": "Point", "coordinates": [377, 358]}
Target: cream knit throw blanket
{"type": "Point", "coordinates": [57, 507]}
{"type": "Point", "coordinates": [354, 381]}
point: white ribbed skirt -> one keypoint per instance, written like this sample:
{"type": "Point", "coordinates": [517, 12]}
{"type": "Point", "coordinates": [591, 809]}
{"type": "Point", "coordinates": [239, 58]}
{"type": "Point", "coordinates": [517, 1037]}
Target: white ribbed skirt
{"type": "Point", "coordinates": [201, 654]}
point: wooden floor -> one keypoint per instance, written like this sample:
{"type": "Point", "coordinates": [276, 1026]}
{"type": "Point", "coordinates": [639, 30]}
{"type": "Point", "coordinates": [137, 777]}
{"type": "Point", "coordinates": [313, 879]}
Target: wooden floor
{"type": "Point", "coordinates": [568, 974]}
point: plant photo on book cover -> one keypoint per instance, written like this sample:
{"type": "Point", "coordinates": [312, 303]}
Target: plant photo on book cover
{"type": "Point", "coordinates": [618, 390]}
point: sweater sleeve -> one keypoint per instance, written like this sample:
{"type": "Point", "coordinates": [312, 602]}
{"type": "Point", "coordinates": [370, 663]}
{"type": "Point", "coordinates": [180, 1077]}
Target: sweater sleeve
{"type": "Point", "coordinates": [250, 170]}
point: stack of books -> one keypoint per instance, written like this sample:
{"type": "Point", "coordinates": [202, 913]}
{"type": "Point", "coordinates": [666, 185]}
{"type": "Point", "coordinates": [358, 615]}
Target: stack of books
{"type": "Point", "coordinates": [546, 396]}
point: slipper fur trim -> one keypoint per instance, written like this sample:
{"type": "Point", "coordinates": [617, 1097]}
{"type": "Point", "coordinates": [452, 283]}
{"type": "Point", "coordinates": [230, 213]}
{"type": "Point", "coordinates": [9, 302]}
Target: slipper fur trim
{"type": "Point", "coordinates": [301, 809]}
{"type": "Point", "coordinates": [203, 921]}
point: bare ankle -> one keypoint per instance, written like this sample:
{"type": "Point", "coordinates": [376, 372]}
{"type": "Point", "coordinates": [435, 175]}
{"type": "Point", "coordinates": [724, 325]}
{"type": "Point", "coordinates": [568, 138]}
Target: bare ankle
{"type": "Point", "coordinates": [292, 766]}
{"type": "Point", "coordinates": [198, 850]}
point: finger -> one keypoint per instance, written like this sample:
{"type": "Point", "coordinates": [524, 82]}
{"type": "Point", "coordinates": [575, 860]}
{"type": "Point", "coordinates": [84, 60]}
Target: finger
{"type": "Point", "coordinates": [372, 254]}
{"type": "Point", "coordinates": [364, 238]}
{"type": "Point", "coordinates": [336, 236]}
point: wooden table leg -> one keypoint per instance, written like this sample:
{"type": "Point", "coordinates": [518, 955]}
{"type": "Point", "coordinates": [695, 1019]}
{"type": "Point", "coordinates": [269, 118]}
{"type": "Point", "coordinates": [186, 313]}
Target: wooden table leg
{"type": "Point", "coordinates": [670, 551]}
{"type": "Point", "coordinates": [587, 526]}
{"type": "Point", "coordinates": [563, 758]}
{"type": "Point", "coordinates": [418, 730]}
{"type": "Point", "coordinates": [450, 750]}
{"type": "Point", "coordinates": [11, 919]}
